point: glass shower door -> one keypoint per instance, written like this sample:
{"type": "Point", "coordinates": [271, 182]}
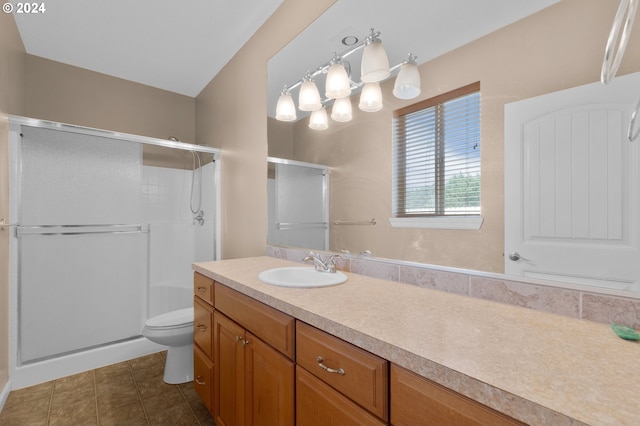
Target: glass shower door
{"type": "Point", "coordinates": [82, 248]}
{"type": "Point", "coordinates": [299, 206]}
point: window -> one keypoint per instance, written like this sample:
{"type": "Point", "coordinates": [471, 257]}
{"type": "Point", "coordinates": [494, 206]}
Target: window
{"type": "Point", "coordinates": [436, 166]}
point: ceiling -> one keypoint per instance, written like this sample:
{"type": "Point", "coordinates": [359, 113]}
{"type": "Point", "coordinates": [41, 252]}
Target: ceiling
{"type": "Point", "coordinates": [173, 45]}
{"type": "Point", "coordinates": [181, 45]}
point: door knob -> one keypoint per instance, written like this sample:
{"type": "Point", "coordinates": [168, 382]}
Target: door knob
{"type": "Point", "coordinates": [515, 256]}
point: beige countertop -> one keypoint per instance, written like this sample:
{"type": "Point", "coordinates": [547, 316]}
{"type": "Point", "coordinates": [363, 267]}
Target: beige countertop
{"type": "Point", "coordinates": [537, 367]}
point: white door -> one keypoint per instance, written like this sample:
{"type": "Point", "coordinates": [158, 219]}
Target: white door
{"type": "Point", "coordinates": [571, 186]}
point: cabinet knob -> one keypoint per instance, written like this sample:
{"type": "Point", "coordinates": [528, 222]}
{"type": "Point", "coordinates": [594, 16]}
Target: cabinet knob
{"type": "Point", "coordinates": [201, 327]}
{"type": "Point", "coordinates": [199, 381]}
{"type": "Point", "coordinates": [202, 289]}
{"type": "Point", "coordinates": [242, 341]}
{"type": "Point", "coordinates": [320, 361]}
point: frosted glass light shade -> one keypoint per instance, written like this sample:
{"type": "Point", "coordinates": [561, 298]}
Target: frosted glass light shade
{"type": "Point", "coordinates": [407, 85]}
{"type": "Point", "coordinates": [319, 120]}
{"type": "Point", "coordinates": [337, 84]}
{"type": "Point", "coordinates": [285, 109]}
{"type": "Point", "coordinates": [341, 110]}
{"type": "Point", "coordinates": [371, 97]}
{"type": "Point", "coordinates": [309, 97]}
{"type": "Point", "coordinates": [375, 64]}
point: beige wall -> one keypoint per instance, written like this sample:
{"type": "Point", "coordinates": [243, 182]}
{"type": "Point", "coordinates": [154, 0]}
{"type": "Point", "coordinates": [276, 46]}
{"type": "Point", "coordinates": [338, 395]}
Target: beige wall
{"type": "Point", "coordinates": [12, 101]}
{"type": "Point", "coordinates": [68, 94]}
{"type": "Point", "coordinates": [231, 114]}
{"type": "Point", "coordinates": [560, 47]}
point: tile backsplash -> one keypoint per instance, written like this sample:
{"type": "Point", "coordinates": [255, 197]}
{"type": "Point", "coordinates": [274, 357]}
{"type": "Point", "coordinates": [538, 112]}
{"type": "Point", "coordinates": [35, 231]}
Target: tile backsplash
{"type": "Point", "coordinates": [534, 294]}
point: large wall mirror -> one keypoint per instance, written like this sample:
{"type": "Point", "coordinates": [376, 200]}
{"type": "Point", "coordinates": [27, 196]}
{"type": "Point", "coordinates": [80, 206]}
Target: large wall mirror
{"type": "Point", "coordinates": [516, 50]}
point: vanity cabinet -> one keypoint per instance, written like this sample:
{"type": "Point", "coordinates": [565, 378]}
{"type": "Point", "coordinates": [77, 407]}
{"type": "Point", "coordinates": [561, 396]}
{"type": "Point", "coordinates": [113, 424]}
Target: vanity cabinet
{"type": "Point", "coordinates": [417, 401]}
{"type": "Point", "coordinates": [256, 365]}
{"type": "Point", "coordinates": [337, 382]}
{"type": "Point", "coordinates": [202, 338]}
{"type": "Point", "coordinates": [254, 371]}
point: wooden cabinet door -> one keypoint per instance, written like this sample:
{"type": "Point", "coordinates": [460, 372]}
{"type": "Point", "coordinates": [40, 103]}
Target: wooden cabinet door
{"type": "Point", "coordinates": [202, 320]}
{"type": "Point", "coordinates": [269, 385]}
{"type": "Point", "coordinates": [203, 377]}
{"type": "Point", "coordinates": [228, 384]}
{"type": "Point", "coordinates": [318, 404]}
{"type": "Point", "coordinates": [416, 401]}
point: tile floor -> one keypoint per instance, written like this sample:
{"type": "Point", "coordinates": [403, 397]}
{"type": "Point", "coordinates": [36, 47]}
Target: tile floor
{"type": "Point", "coordinates": [127, 393]}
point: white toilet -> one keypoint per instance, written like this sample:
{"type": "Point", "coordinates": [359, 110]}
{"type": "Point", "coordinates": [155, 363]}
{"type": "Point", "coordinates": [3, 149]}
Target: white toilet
{"type": "Point", "coordinates": [175, 330]}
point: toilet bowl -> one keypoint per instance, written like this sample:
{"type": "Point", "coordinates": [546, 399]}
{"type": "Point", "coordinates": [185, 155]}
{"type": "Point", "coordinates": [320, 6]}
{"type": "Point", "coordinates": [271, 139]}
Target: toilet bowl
{"type": "Point", "coordinates": [175, 330]}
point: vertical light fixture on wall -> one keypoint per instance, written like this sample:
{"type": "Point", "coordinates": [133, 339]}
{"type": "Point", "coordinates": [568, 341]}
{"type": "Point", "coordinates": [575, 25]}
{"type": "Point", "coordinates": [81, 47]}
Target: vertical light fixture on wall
{"type": "Point", "coordinates": [339, 85]}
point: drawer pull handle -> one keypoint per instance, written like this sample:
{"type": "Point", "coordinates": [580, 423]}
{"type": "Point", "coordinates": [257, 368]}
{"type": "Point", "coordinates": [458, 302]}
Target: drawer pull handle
{"type": "Point", "coordinates": [200, 381]}
{"type": "Point", "coordinates": [202, 289]}
{"type": "Point", "coordinates": [202, 328]}
{"type": "Point", "coordinates": [320, 361]}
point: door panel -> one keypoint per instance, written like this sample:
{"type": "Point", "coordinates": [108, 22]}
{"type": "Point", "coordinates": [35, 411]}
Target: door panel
{"type": "Point", "coordinates": [571, 186]}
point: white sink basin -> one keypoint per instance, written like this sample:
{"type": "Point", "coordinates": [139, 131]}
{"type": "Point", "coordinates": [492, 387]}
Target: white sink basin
{"type": "Point", "coordinates": [301, 277]}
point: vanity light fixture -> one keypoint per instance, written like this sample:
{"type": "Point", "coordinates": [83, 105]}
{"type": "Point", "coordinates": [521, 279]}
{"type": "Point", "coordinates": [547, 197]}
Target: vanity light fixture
{"type": "Point", "coordinates": [286, 109]}
{"type": "Point", "coordinates": [370, 97]}
{"type": "Point", "coordinates": [318, 119]}
{"type": "Point", "coordinates": [339, 85]}
{"type": "Point", "coordinates": [407, 85]}
{"type": "Point", "coordinates": [375, 64]}
{"type": "Point", "coordinates": [309, 96]}
{"type": "Point", "coordinates": [341, 110]}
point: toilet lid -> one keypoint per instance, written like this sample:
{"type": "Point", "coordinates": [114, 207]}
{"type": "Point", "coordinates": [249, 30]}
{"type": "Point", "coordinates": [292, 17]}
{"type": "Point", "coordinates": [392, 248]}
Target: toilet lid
{"type": "Point", "coordinates": [173, 318]}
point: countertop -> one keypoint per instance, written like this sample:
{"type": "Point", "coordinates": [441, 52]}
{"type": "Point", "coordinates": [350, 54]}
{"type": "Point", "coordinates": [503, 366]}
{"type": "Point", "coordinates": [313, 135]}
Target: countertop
{"type": "Point", "coordinates": [537, 367]}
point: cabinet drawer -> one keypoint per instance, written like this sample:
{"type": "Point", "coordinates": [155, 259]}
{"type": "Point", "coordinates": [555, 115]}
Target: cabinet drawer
{"type": "Point", "coordinates": [203, 377]}
{"type": "Point", "coordinates": [202, 331]}
{"type": "Point", "coordinates": [363, 376]}
{"type": "Point", "coordinates": [318, 404]}
{"type": "Point", "coordinates": [203, 287]}
{"type": "Point", "coordinates": [270, 325]}
{"type": "Point", "coordinates": [418, 401]}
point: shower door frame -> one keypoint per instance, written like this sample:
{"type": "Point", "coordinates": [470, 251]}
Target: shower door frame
{"type": "Point", "coordinates": [49, 369]}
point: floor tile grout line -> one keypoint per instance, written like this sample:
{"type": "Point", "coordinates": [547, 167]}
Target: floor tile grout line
{"type": "Point", "coordinates": [95, 395]}
{"type": "Point", "coordinates": [133, 376]}
{"type": "Point", "coordinates": [184, 398]}
{"type": "Point", "coordinates": [53, 388]}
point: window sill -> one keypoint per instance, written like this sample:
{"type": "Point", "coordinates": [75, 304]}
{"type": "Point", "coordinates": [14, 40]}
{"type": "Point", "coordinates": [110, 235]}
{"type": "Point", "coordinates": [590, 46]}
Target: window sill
{"type": "Point", "coordinates": [440, 222]}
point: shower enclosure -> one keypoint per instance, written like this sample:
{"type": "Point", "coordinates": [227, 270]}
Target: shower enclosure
{"type": "Point", "coordinates": [104, 228]}
{"type": "Point", "coordinates": [298, 210]}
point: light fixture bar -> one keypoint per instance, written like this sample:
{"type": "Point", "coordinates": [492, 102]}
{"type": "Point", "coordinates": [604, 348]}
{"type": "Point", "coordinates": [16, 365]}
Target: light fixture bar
{"type": "Point", "coordinates": [322, 69]}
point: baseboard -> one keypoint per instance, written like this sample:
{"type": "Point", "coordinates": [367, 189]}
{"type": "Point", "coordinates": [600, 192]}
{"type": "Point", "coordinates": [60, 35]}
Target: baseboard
{"type": "Point", "coordinates": [5, 394]}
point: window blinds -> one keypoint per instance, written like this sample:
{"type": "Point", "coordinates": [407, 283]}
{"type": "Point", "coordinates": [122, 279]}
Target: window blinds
{"type": "Point", "coordinates": [437, 155]}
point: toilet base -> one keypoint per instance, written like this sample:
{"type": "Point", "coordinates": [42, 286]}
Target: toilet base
{"type": "Point", "coordinates": [179, 365]}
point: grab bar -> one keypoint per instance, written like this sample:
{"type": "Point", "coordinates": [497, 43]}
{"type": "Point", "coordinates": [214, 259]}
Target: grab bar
{"type": "Point", "coordinates": [286, 226]}
{"type": "Point", "coordinates": [80, 229]}
{"type": "Point", "coordinates": [355, 222]}
{"type": "Point", "coordinates": [4, 224]}
{"type": "Point", "coordinates": [626, 12]}
{"type": "Point", "coordinates": [632, 133]}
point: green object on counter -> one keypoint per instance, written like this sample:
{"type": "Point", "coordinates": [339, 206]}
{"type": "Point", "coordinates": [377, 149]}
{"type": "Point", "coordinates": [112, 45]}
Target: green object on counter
{"type": "Point", "coordinates": [625, 332]}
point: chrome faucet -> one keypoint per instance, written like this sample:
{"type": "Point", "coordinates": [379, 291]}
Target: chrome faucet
{"type": "Point", "coordinates": [320, 264]}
